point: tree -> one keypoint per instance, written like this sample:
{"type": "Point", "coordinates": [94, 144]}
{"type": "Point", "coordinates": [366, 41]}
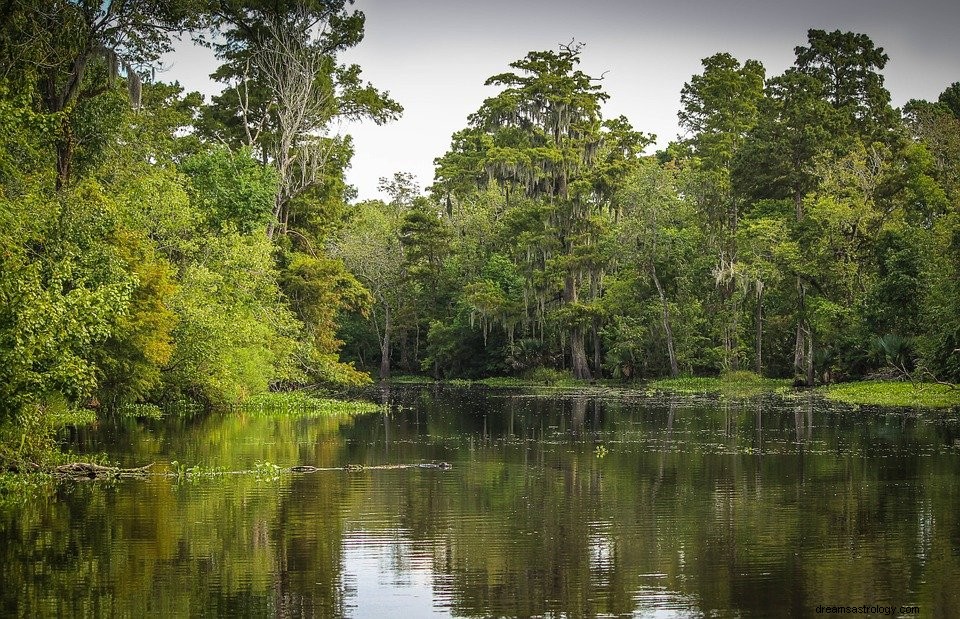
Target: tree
{"type": "Point", "coordinates": [372, 251]}
{"type": "Point", "coordinates": [654, 232]}
{"type": "Point", "coordinates": [719, 108]}
{"type": "Point", "coordinates": [285, 87]}
{"type": "Point", "coordinates": [72, 52]}
{"type": "Point", "coordinates": [545, 131]}
{"type": "Point", "coordinates": [848, 65]}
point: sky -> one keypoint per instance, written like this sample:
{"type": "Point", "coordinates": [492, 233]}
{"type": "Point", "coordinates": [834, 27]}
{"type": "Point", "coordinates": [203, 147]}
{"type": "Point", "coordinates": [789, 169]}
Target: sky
{"type": "Point", "coordinates": [433, 57]}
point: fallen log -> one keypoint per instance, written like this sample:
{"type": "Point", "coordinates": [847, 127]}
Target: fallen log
{"type": "Point", "coordinates": [82, 471]}
{"type": "Point", "coordinates": [89, 470]}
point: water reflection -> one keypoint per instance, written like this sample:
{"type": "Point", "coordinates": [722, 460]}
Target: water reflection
{"type": "Point", "coordinates": [761, 507]}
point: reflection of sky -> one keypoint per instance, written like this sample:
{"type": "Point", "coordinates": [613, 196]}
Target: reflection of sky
{"type": "Point", "coordinates": [434, 55]}
{"type": "Point", "coordinates": [382, 578]}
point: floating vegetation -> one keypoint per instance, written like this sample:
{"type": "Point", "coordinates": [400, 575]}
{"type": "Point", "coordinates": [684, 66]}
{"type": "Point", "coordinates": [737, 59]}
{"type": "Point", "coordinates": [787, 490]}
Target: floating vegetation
{"type": "Point", "coordinates": [267, 471]}
{"type": "Point", "coordinates": [140, 411]}
{"type": "Point", "coordinates": [894, 393]}
{"type": "Point", "coordinates": [730, 384]}
{"type": "Point", "coordinates": [181, 470]}
{"type": "Point", "coordinates": [411, 379]}
{"type": "Point", "coordinates": [262, 470]}
{"type": "Point", "coordinates": [71, 417]}
{"type": "Point", "coordinates": [301, 403]}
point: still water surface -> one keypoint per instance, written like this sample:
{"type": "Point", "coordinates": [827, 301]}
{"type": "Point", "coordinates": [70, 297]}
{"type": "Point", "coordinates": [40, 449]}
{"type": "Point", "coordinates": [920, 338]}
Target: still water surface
{"type": "Point", "coordinates": [555, 505]}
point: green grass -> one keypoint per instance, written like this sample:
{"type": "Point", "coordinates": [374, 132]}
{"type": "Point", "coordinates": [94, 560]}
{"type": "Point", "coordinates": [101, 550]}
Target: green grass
{"type": "Point", "coordinates": [540, 377]}
{"type": "Point", "coordinates": [890, 393]}
{"type": "Point", "coordinates": [301, 403]}
{"type": "Point", "coordinates": [71, 417]}
{"type": "Point", "coordinates": [731, 384]}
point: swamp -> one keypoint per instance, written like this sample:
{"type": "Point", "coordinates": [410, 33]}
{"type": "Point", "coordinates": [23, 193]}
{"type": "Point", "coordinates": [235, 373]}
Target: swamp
{"type": "Point", "coordinates": [372, 308]}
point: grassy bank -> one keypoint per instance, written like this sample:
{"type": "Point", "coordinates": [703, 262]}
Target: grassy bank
{"type": "Point", "coordinates": [733, 384]}
{"type": "Point", "coordinates": [537, 378]}
{"type": "Point", "coordinates": [893, 393]}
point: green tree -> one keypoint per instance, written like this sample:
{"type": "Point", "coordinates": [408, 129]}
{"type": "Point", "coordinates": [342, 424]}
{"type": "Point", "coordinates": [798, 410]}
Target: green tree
{"type": "Point", "coordinates": [545, 130]}
{"type": "Point", "coordinates": [371, 249]}
{"type": "Point", "coordinates": [285, 86]}
{"type": "Point", "coordinates": [71, 52]}
{"type": "Point", "coordinates": [719, 108]}
{"type": "Point", "coordinates": [848, 65]}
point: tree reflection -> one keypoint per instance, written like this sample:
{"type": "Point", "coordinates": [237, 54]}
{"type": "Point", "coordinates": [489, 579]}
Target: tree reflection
{"type": "Point", "coordinates": [682, 513]}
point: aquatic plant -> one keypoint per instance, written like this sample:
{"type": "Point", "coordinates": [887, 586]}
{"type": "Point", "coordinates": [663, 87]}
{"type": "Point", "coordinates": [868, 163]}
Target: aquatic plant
{"type": "Point", "coordinates": [893, 393]}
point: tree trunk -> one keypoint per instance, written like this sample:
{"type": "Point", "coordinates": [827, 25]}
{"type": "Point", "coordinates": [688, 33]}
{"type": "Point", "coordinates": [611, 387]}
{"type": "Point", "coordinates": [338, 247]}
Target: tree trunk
{"type": "Point", "coordinates": [578, 354]}
{"type": "Point", "coordinates": [594, 328]}
{"type": "Point", "coordinates": [385, 346]}
{"type": "Point", "coordinates": [674, 369]}
{"type": "Point", "coordinates": [760, 333]}
{"type": "Point", "coordinates": [803, 348]}
{"type": "Point", "coordinates": [595, 323]}
{"type": "Point", "coordinates": [64, 157]}
{"type": "Point", "coordinates": [798, 350]}
{"type": "Point", "coordinates": [578, 351]}
{"type": "Point", "coordinates": [734, 337]}
{"type": "Point", "coordinates": [404, 353]}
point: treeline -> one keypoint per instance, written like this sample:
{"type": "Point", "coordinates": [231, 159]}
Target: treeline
{"type": "Point", "coordinates": [801, 227]}
{"type": "Point", "coordinates": [153, 247]}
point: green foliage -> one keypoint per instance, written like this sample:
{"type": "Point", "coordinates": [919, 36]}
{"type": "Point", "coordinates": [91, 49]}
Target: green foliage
{"type": "Point", "coordinates": [231, 189]}
{"type": "Point", "coordinates": [30, 438]}
{"type": "Point", "coordinates": [233, 339]}
{"type": "Point", "coordinates": [139, 259]}
{"type": "Point", "coordinates": [152, 246]}
{"type": "Point", "coordinates": [140, 411]}
{"type": "Point", "coordinates": [303, 404]}
{"type": "Point", "coordinates": [64, 292]}
{"type": "Point", "coordinates": [318, 290]}
{"type": "Point", "coordinates": [849, 65]}
{"type": "Point", "coordinates": [129, 362]}
{"type": "Point", "coordinates": [547, 376]}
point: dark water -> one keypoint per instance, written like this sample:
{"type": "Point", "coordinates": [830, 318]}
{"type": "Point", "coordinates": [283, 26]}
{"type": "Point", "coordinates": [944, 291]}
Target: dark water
{"type": "Point", "coordinates": [574, 505]}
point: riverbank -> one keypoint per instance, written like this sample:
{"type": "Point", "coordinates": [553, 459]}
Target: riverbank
{"type": "Point", "coordinates": [732, 384]}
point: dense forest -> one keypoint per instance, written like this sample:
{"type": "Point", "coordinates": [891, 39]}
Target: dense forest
{"type": "Point", "coordinates": [155, 246]}
{"type": "Point", "coordinates": [801, 227]}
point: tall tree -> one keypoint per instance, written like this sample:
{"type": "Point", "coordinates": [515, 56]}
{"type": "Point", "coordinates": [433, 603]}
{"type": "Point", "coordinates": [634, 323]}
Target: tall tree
{"type": "Point", "coordinates": [285, 86]}
{"type": "Point", "coordinates": [719, 108]}
{"type": "Point", "coordinates": [545, 130]}
{"type": "Point", "coordinates": [848, 64]}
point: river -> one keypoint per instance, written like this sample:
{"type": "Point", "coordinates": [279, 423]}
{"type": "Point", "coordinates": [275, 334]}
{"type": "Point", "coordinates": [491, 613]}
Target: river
{"type": "Point", "coordinates": [556, 504]}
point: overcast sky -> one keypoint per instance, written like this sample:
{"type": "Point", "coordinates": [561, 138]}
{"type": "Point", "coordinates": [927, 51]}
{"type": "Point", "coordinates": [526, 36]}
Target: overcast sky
{"type": "Point", "coordinates": [434, 55]}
